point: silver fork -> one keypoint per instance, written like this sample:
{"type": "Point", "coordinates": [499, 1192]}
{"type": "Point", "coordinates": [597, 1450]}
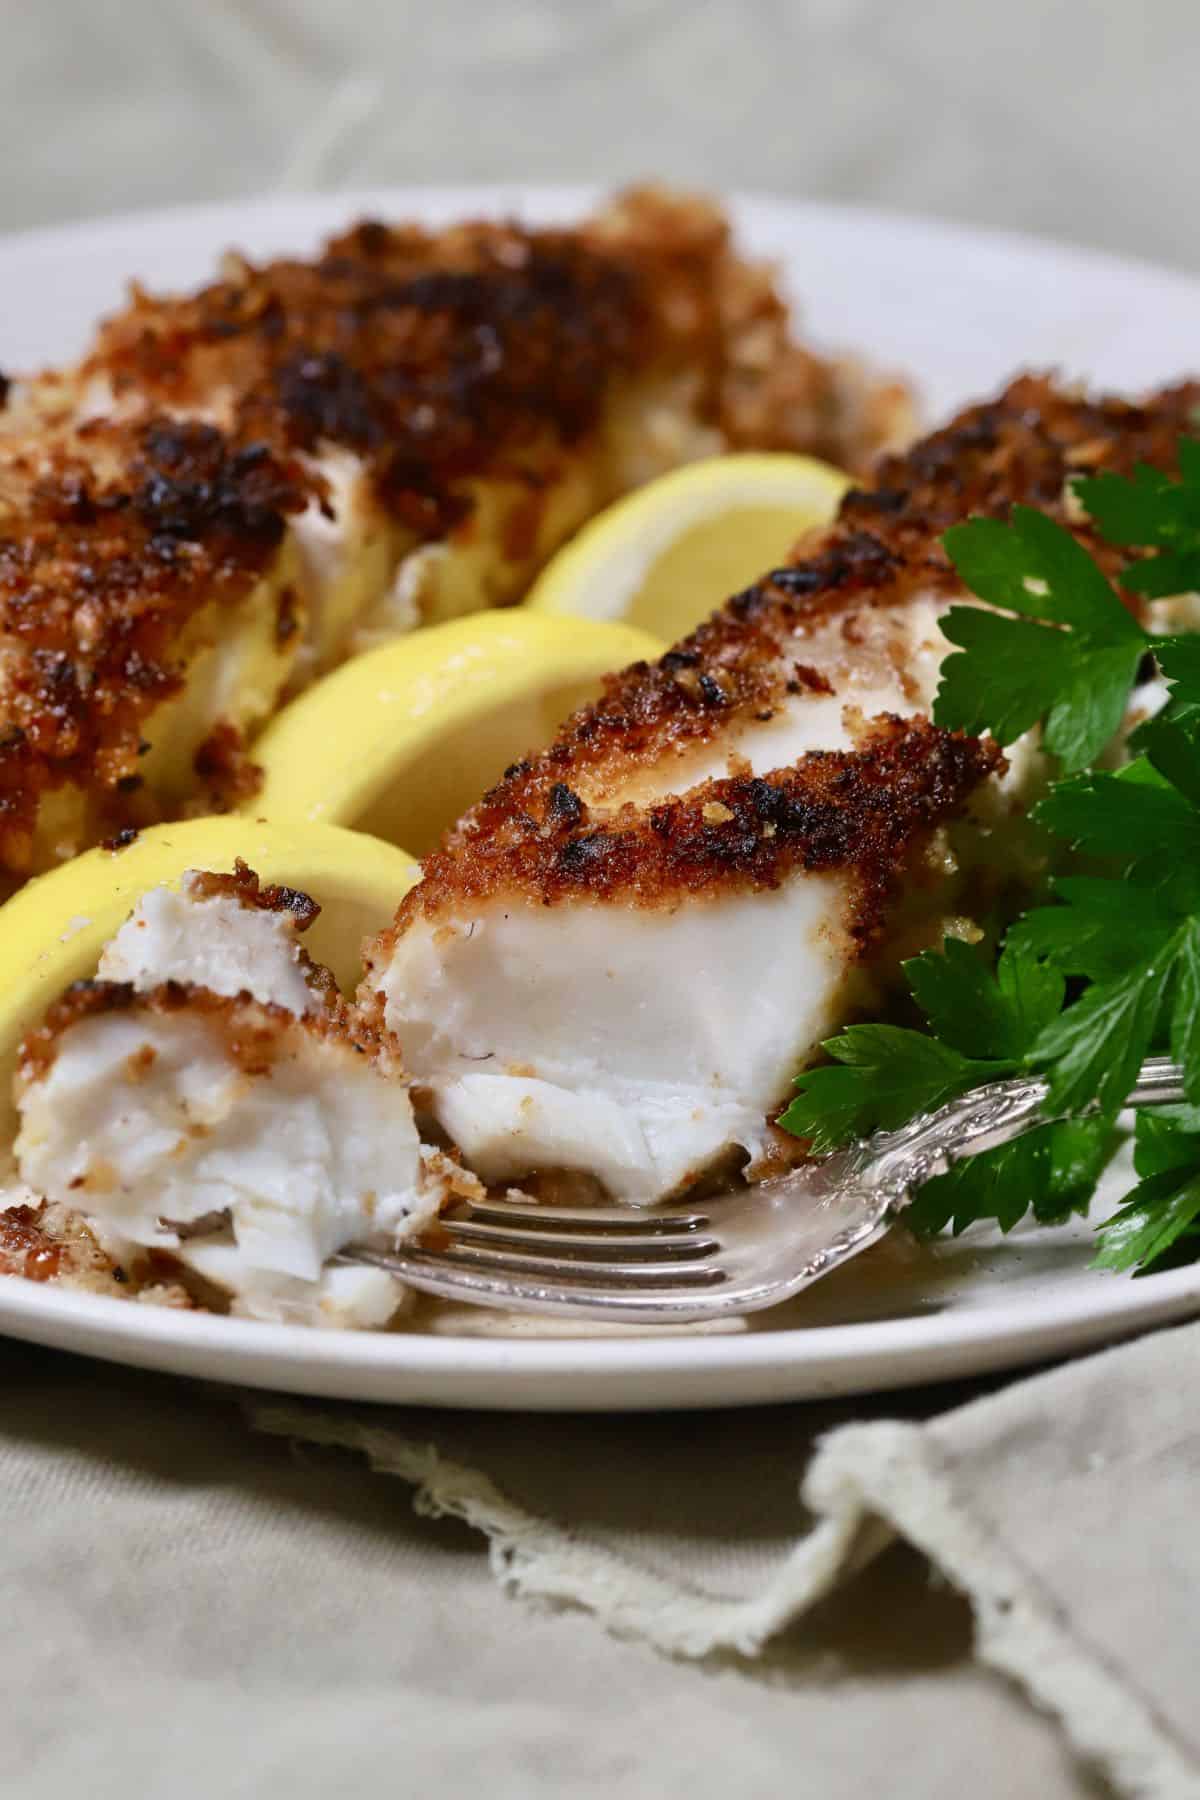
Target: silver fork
{"type": "Point", "coordinates": [734, 1254]}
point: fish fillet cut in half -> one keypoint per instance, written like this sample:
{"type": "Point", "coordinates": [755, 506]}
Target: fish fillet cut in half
{"type": "Point", "coordinates": [238, 486]}
{"type": "Point", "coordinates": [619, 958]}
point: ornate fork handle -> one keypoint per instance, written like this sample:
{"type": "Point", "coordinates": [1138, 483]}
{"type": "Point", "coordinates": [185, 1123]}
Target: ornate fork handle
{"type": "Point", "coordinates": [899, 1162]}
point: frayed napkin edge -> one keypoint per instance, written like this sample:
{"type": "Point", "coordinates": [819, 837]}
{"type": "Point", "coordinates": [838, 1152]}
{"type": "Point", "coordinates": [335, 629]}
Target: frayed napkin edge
{"type": "Point", "coordinates": [867, 1485]}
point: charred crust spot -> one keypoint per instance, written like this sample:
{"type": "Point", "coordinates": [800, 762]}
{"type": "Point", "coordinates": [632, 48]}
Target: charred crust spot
{"type": "Point", "coordinates": [442, 356]}
{"type": "Point", "coordinates": [120, 840]}
{"type": "Point", "coordinates": [874, 500]}
{"type": "Point", "coordinates": [303, 908]}
{"type": "Point", "coordinates": [5, 389]}
{"type": "Point", "coordinates": [580, 858]}
{"type": "Point", "coordinates": [245, 887]}
{"type": "Point", "coordinates": [287, 615]}
{"type": "Point", "coordinates": [564, 807]}
{"type": "Point", "coordinates": [192, 483]}
{"type": "Point", "coordinates": [862, 813]}
{"type": "Point", "coordinates": [812, 679]}
{"type": "Point", "coordinates": [225, 770]}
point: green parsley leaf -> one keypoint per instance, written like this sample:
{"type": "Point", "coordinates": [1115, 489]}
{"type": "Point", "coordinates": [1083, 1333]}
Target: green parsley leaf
{"type": "Point", "coordinates": [1099, 928]}
{"type": "Point", "coordinates": [1032, 565]}
{"type": "Point", "coordinates": [984, 1014]}
{"type": "Point", "coordinates": [1052, 1171]}
{"type": "Point", "coordinates": [1080, 1151]}
{"type": "Point", "coordinates": [1163, 1212]}
{"type": "Point", "coordinates": [1092, 1051]}
{"type": "Point", "coordinates": [1160, 1211]}
{"type": "Point", "coordinates": [1073, 668]}
{"type": "Point", "coordinates": [1170, 743]}
{"type": "Point", "coordinates": [1123, 816]}
{"type": "Point", "coordinates": [881, 1075]}
{"type": "Point", "coordinates": [1124, 930]}
{"type": "Point", "coordinates": [995, 1185]}
{"type": "Point", "coordinates": [1150, 510]}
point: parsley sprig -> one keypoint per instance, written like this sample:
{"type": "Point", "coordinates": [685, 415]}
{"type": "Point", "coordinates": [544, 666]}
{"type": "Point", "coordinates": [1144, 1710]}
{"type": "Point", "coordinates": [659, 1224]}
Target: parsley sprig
{"type": "Point", "coordinates": [1108, 969]}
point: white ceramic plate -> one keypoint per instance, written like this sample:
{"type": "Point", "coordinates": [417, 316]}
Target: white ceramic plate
{"type": "Point", "coordinates": [958, 309]}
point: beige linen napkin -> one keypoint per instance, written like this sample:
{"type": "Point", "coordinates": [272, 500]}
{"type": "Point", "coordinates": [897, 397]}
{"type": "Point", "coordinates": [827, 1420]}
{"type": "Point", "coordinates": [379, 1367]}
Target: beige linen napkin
{"type": "Point", "coordinates": [190, 1605]}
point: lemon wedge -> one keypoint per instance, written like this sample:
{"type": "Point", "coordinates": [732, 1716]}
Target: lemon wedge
{"type": "Point", "coordinates": [667, 556]}
{"type": "Point", "coordinates": [400, 740]}
{"type": "Point", "coordinates": [53, 930]}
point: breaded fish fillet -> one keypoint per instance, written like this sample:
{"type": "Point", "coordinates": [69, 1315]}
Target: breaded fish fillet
{"type": "Point", "coordinates": [236, 487]}
{"type": "Point", "coordinates": [618, 960]}
{"type": "Point", "coordinates": [149, 622]}
{"type": "Point", "coordinates": [469, 397]}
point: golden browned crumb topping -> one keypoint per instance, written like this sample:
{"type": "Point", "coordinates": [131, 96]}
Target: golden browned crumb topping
{"type": "Point", "coordinates": [533, 836]}
{"type": "Point", "coordinates": [245, 887]}
{"type": "Point", "coordinates": [861, 812]}
{"type": "Point", "coordinates": [443, 356]}
{"type": "Point", "coordinates": [884, 546]}
{"type": "Point", "coordinates": [49, 1242]}
{"type": "Point", "coordinates": [485, 350]}
{"type": "Point", "coordinates": [256, 1032]}
{"type": "Point", "coordinates": [111, 538]}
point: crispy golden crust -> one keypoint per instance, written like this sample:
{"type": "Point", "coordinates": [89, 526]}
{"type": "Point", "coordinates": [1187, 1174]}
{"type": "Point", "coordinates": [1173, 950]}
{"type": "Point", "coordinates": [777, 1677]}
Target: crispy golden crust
{"type": "Point", "coordinates": [533, 836]}
{"type": "Point", "coordinates": [244, 886]}
{"type": "Point", "coordinates": [256, 1032]}
{"type": "Point", "coordinates": [884, 547]}
{"type": "Point", "coordinates": [49, 1242]}
{"type": "Point", "coordinates": [442, 357]}
{"type": "Point", "coordinates": [860, 812]}
{"type": "Point", "coordinates": [439, 358]}
{"type": "Point", "coordinates": [111, 538]}
{"type": "Point", "coordinates": [710, 306]}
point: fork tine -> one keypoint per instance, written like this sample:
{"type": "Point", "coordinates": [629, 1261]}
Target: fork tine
{"type": "Point", "coordinates": [532, 1276]}
{"type": "Point", "coordinates": [586, 1220]}
{"type": "Point", "coordinates": [577, 1246]}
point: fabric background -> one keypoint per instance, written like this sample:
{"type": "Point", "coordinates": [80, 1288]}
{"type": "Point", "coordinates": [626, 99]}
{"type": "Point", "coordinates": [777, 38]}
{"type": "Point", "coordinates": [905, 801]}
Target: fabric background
{"type": "Point", "coordinates": [1074, 117]}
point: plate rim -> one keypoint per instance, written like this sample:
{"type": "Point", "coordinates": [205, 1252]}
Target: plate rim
{"type": "Point", "coordinates": [279, 1356]}
{"type": "Point", "coordinates": [489, 196]}
{"type": "Point", "coordinates": [592, 1373]}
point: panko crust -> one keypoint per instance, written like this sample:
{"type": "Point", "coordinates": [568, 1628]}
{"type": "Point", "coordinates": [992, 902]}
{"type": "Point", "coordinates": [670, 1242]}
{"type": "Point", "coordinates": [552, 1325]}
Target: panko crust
{"type": "Point", "coordinates": [862, 813]}
{"type": "Point", "coordinates": [445, 356]}
{"type": "Point", "coordinates": [256, 1032]}
{"type": "Point", "coordinates": [884, 547]}
{"type": "Point", "coordinates": [113, 536]}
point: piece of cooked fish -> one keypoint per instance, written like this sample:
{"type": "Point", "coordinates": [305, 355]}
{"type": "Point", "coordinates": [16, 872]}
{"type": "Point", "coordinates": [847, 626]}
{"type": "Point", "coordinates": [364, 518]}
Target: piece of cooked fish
{"type": "Point", "coordinates": [617, 961]}
{"type": "Point", "coordinates": [211, 1096]}
{"type": "Point", "coordinates": [149, 622]}
{"type": "Point", "coordinates": [236, 487]}
{"type": "Point", "coordinates": [468, 397]}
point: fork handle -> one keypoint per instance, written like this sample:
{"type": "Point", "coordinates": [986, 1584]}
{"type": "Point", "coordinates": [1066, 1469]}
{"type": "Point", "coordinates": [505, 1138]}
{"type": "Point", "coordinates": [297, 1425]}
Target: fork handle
{"type": "Point", "coordinates": [985, 1117]}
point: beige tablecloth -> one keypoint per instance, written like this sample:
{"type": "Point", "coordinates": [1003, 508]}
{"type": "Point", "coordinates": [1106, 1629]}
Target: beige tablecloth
{"type": "Point", "coordinates": [210, 1592]}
